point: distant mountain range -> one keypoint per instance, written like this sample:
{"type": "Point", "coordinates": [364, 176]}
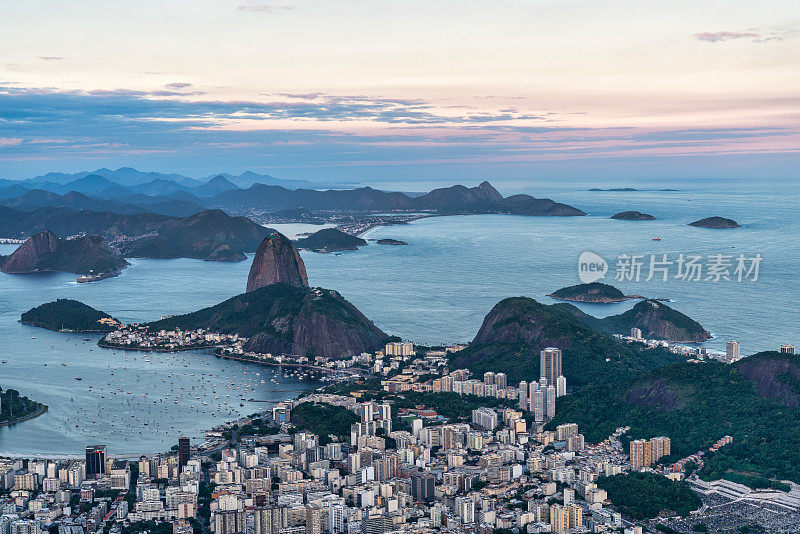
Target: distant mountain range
{"type": "Point", "coordinates": [209, 235]}
{"type": "Point", "coordinates": [129, 177]}
{"type": "Point", "coordinates": [128, 191]}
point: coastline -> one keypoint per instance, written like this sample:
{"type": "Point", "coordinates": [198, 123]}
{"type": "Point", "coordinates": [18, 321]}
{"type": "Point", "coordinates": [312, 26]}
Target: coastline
{"type": "Point", "coordinates": [64, 330]}
{"type": "Point", "coordinates": [104, 345]}
{"type": "Point", "coordinates": [595, 301]}
{"type": "Point", "coordinates": [273, 363]}
{"type": "Point", "coordinates": [42, 409]}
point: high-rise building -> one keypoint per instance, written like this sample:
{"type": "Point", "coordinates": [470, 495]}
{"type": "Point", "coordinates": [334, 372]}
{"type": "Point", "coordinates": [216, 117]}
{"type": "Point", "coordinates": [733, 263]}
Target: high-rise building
{"type": "Point", "coordinates": [183, 453]}
{"type": "Point", "coordinates": [270, 520]}
{"type": "Point", "coordinates": [533, 387]}
{"type": "Point", "coordinates": [550, 364]}
{"type": "Point", "coordinates": [313, 519]}
{"type": "Point", "coordinates": [522, 395]}
{"type": "Point", "coordinates": [565, 517]}
{"type": "Point", "coordinates": [485, 418]}
{"type": "Point", "coordinates": [644, 453]}
{"type": "Point", "coordinates": [423, 486]}
{"type": "Point", "coordinates": [229, 522]}
{"type": "Point", "coordinates": [636, 333]}
{"type": "Point", "coordinates": [500, 380]}
{"type": "Point", "coordinates": [538, 406]}
{"type": "Point", "coordinates": [559, 519]}
{"type": "Point", "coordinates": [281, 413]}
{"type": "Point", "coordinates": [575, 443]}
{"type": "Point", "coordinates": [551, 401]}
{"type": "Point", "coordinates": [337, 518]}
{"type": "Point", "coordinates": [95, 461]}
{"type": "Point", "coordinates": [561, 386]}
{"type": "Point", "coordinates": [399, 349]}
{"type": "Point", "coordinates": [732, 352]}
{"type": "Point", "coordinates": [488, 377]}
{"type": "Point", "coordinates": [566, 430]}
{"type": "Point", "coordinates": [787, 349]}
{"type": "Point", "coordinates": [377, 524]}
{"type": "Point", "coordinates": [465, 509]}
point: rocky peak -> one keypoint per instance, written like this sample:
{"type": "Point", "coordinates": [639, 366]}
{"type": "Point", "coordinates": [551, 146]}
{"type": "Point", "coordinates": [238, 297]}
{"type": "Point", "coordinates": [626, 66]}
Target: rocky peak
{"type": "Point", "coordinates": [30, 253]}
{"type": "Point", "coordinates": [277, 261]}
{"type": "Point", "coordinates": [488, 192]}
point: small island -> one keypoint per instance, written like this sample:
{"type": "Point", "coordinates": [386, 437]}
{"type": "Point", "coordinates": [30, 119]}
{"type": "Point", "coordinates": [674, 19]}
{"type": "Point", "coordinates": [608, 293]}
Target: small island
{"type": "Point", "coordinates": [225, 253]}
{"type": "Point", "coordinates": [391, 242]}
{"type": "Point", "coordinates": [595, 292]}
{"type": "Point", "coordinates": [633, 216]}
{"type": "Point", "coordinates": [615, 189]}
{"type": "Point", "coordinates": [715, 222]}
{"type": "Point", "coordinates": [15, 408]}
{"type": "Point", "coordinates": [330, 240]}
{"type": "Point", "coordinates": [66, 315]}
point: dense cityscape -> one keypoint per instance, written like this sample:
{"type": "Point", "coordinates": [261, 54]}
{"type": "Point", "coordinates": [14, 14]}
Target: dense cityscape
{"type": "Point", "coordinates": [380, 466]}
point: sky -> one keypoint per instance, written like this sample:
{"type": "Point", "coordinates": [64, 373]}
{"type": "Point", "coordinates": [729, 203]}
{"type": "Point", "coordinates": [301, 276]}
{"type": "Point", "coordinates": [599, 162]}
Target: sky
{"type": "Point", "coordinates": [390, 91]}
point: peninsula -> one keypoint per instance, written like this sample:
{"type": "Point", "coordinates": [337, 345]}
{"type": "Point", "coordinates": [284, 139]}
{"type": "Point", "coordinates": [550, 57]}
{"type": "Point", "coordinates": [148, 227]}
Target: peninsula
{"type": "Point", "coordinates": [66, 315]}
{"type": "Point", "coordinates": [15, 408]}
{"type": "Point", "coordinates": [46, 252]}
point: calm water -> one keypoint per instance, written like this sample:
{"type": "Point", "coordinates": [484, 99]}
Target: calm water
{"type": "Point", "coordinates": [131, 402]}
{"type": "Point", "coordinates": [436, 289]}
{"type": "Point", "coordinates": [440, 286]}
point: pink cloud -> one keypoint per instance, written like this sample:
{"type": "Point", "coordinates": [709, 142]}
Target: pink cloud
{"type": "Point", "coordinates": [716, 37]}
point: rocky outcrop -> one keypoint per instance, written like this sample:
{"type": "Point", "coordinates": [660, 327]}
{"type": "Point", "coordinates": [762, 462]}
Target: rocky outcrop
{"type": "Point", "coordinates": [314, 330]}
{"type": "Point", "coordinates": [515, 331]}
{"type": "Point", "coordinates": [388, 241]}
{"type": "Point", "coordinates": [633, 216]}
{"type": "Point", "coordinates": [276, 261]}
{"type": "Point", "coordinates": [46, 252]}
{"type": "Point", "coordinates": [656, 320]}
{"type": "Point", "coordinates": [531, 206]}
{"type": "Point", "coordinates": [282, 319]}
{"type": "Point", "coordinates": [29, 256]}
{"type": "Point", "coordinates": [775, 375]}
{"type": "Point", "coordinates": [715, 222]}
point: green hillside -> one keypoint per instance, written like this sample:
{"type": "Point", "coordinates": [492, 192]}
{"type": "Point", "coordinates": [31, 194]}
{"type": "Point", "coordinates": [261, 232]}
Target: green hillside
{"type": "Point", "coordinates": [517, 329]}
{"type": "Point", "coordinates": [695, 404]}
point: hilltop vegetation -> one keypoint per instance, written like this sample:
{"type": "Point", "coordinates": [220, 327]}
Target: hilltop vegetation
{"type": "Point", "coordinates": [14, 406]}
{"type": "Point", "coordinates": [594, 292]}
{"type": "Point", "coordinates": [695, 405]}
{"type": "Point", "coordinates": [67, 315]}
{"type": "Point", "coordinates": [211, 235]}
{"type": "Point", "coordinates": [325, 420]}
{"type": "Point", "coordinates": [646, 495]}
{"type": "Point", "coordinates": [655, 319]}
{"type": "Point", "coordinates": [517, 329]}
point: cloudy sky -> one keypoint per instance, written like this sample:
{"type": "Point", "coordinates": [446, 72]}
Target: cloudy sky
{"type": "Point", "coordinates": [403, 90]}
